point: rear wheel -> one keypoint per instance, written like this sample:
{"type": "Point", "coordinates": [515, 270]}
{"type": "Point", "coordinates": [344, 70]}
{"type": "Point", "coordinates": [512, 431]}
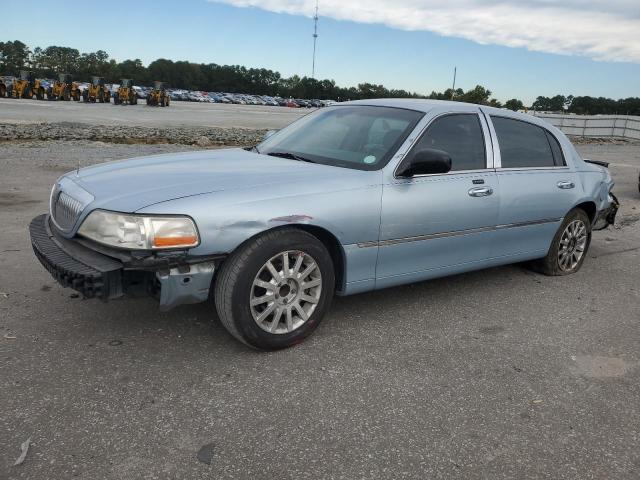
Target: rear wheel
{"type": "Point", "coordinates": [274, 290]}
{"type": "Point", "coordinates": [569, 246]}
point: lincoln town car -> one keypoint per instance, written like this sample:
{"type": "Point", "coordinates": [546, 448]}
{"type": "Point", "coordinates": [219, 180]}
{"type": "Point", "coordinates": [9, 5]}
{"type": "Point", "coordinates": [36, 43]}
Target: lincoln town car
{"type": "Point", "coordinates": [355, 197]}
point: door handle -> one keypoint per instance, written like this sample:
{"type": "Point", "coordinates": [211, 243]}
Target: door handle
{"type": "Point", "coordinates": [565, 184]}
{"type": "Point", "coordinates": [480, 191]}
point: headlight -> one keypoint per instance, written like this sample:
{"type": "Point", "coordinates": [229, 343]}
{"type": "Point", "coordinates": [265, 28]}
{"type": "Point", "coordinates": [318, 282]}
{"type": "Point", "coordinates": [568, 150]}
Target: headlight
{"type": "Point", "coordinates": [138, 232]}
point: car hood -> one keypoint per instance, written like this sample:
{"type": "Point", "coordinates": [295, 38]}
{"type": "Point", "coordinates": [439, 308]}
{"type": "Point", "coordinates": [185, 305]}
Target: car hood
{"type": "Point", "coordinates": [130, 185]}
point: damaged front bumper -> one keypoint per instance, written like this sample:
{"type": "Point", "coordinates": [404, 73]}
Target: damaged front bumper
{"type": "Point", "coordinates": [607, 216]}
{"type": "Point", "coordinates": [174, 278]}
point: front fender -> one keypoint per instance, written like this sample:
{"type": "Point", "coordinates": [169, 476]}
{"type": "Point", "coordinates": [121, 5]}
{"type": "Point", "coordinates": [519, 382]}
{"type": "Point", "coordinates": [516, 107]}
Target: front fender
{"type": "Point", "coordinates": [227, 219]}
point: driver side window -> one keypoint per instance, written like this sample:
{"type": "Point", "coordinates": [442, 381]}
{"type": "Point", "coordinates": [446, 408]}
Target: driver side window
{"type": "Point", "coordinates": [461, 136]}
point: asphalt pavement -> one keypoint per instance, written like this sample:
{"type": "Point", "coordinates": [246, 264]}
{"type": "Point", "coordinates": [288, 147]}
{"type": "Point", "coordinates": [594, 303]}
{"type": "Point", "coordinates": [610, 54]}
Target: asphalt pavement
{"type": "Point", "coordinates": [501, 373]}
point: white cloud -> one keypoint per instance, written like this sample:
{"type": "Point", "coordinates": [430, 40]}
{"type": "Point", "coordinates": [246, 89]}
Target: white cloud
{"type": "Point", "coordinates": [606, 30]}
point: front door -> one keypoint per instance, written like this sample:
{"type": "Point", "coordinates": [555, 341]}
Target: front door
{"type": "Point", "coordinates": [432, 225]}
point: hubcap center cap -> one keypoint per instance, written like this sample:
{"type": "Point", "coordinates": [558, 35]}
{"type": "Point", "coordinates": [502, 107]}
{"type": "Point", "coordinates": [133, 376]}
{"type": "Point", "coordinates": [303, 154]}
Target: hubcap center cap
{"type": "Point", "coordinates": [285, 290]}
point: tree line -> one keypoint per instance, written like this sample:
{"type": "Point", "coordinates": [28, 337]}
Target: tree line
{"type": "Point", "coordinates": [50, 61]}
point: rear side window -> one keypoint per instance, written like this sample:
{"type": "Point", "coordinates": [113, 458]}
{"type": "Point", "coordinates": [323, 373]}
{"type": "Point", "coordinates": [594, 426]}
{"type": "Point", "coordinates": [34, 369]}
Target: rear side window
{"type": "Point", "coordinates": [460, 135]}
{"type": "Point", "coordinates": [558, 157]}
{"type": "Point", "coordinates": [522, 144]}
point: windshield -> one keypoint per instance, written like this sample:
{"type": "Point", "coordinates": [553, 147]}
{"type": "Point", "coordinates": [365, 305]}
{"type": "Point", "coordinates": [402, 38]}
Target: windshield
{"type": "Point", "coordinates": [352, 136]}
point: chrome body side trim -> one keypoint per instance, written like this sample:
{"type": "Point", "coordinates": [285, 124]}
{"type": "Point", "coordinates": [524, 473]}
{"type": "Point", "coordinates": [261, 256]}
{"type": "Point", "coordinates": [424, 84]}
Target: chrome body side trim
{"type": "Point", "coordinates": [419, 238]}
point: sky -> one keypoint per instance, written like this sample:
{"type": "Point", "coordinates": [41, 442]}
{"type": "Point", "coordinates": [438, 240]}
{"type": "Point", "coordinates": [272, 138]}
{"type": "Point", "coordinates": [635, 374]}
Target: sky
{"type": "Point", "coordinates": [517, 48]}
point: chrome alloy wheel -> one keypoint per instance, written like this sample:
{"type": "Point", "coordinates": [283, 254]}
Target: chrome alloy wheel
{"type": "Point", "coordinates": [285, 292]}
{"type": "Point", "coordinates": [573, 243]}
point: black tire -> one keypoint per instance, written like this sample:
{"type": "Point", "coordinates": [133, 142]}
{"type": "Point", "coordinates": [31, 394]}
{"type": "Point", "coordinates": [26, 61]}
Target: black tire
{"type": "Point", "coordinates": [550, 265]}
{"type": "Point", "coordinates": [66, 96]}
{"type": "Point", "coordinates": [234, 281]}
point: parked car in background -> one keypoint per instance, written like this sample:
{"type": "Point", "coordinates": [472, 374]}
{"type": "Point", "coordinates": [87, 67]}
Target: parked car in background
{"type": "Point", "coordinates": [433, 188]}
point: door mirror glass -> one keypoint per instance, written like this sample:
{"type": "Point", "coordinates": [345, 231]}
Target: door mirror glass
{"type": "Point", "coordinates": [424, 162]}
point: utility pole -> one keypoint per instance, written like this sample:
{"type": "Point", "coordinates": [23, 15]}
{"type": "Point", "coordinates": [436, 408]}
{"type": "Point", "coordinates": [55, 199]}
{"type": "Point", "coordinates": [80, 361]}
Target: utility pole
{"type": "Point", "coordinates": [453, 89]}
{"type": "Point", "coordinates": [315, 39]}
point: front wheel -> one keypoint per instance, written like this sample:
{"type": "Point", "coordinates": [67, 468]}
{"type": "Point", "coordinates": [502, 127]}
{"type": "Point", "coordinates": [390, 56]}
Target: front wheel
{"type": "Point", "coordinates": [569, 246]}
{"type": "Point", "coordinates": [273, 291]}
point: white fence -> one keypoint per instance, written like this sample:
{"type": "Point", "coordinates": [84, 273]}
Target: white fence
{"type": "Point", "coordinates": [619, 126]}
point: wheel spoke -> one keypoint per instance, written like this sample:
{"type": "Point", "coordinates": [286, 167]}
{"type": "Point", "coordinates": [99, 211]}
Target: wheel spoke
{"type": "Point", "coordinates": [267, 311]}
{"type": "Point", "coordinates": [264, 299]}
{"type": "Point", "coordinates": [270, 287]}
{"type": "Point", "coordinates": [298, 264]}
{"type": "Point", "coordinates": [274, 273]}
{"type": "Point", "coordinates": [276, 320]}
{"type": "Point", "coordinates": [289, 319]}
{"type": "Point", "coordinates": [285, 264]}
{"type": "Point", "coordinates": [310, 268]}
{"type": "Point", "coordinates": [313, 283]}
{"type": "Point", "coordinates": [308, 298]}
{"type": "Point", "coordinates": [301, 311]}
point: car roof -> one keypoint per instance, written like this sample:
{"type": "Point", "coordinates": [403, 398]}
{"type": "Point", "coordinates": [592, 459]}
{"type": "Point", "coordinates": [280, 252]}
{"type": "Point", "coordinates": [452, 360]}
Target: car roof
{"type": "Point", "coordinates": [443, 106]}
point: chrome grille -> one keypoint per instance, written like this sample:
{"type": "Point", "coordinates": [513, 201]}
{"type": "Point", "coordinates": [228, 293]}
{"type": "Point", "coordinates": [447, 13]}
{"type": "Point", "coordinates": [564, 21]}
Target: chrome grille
{"type": "Point", "coordinates": [65, 210]}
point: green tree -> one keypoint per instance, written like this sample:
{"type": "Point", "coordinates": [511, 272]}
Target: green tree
{"type": "Point", "coordinates": [14, 56]}
{"type": "Point", "coordinates": [53, 60]}
{"type": "Point", "coordinates": [514, 104]}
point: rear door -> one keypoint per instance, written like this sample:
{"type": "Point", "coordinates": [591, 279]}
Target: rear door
{"type": "Point", "coordinates": [537, 187]}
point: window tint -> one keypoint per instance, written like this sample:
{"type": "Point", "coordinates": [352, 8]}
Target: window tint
{"type": "Point", "coordinates": [558, 157]}
{"type": "Point", "coordinates": [460, 135]}
{"type": "Point", "coordinates": [522, 144]}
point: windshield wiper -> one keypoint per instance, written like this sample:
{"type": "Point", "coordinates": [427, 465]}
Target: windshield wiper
{"type": "Point", "coordinates": [291, 156]}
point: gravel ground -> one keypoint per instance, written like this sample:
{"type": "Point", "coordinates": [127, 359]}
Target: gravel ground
{"type": "Point", "coordinates": [201, 136]}
{"type": "Point", "coordinates": [501, 373]}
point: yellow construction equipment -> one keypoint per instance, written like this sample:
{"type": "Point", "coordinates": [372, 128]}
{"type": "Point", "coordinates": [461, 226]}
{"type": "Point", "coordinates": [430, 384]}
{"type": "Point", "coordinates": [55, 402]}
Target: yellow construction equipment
{"type": "Point", "coordinates": [64, 89]}
{"type": "Point", "coordinates": [3, 87]}
{"type": "Point", "coordinates": [26, 86]}
{"type": "Point", "coordinates": [159, 95]}
{"type": "Point", "coordinates": [125, 94]}
{"type": "Point", "coordinates": [97, 91]}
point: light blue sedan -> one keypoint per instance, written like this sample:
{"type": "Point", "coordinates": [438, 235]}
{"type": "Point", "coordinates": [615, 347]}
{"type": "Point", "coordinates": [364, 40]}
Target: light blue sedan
{"type": "Point", "coordinates": [358, 196]}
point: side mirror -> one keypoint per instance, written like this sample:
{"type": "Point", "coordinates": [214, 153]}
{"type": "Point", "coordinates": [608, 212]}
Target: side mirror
{"type": "Point", "coordinates": [424, 162]}
{"type": "Point", "coordinates": [268, 134]}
